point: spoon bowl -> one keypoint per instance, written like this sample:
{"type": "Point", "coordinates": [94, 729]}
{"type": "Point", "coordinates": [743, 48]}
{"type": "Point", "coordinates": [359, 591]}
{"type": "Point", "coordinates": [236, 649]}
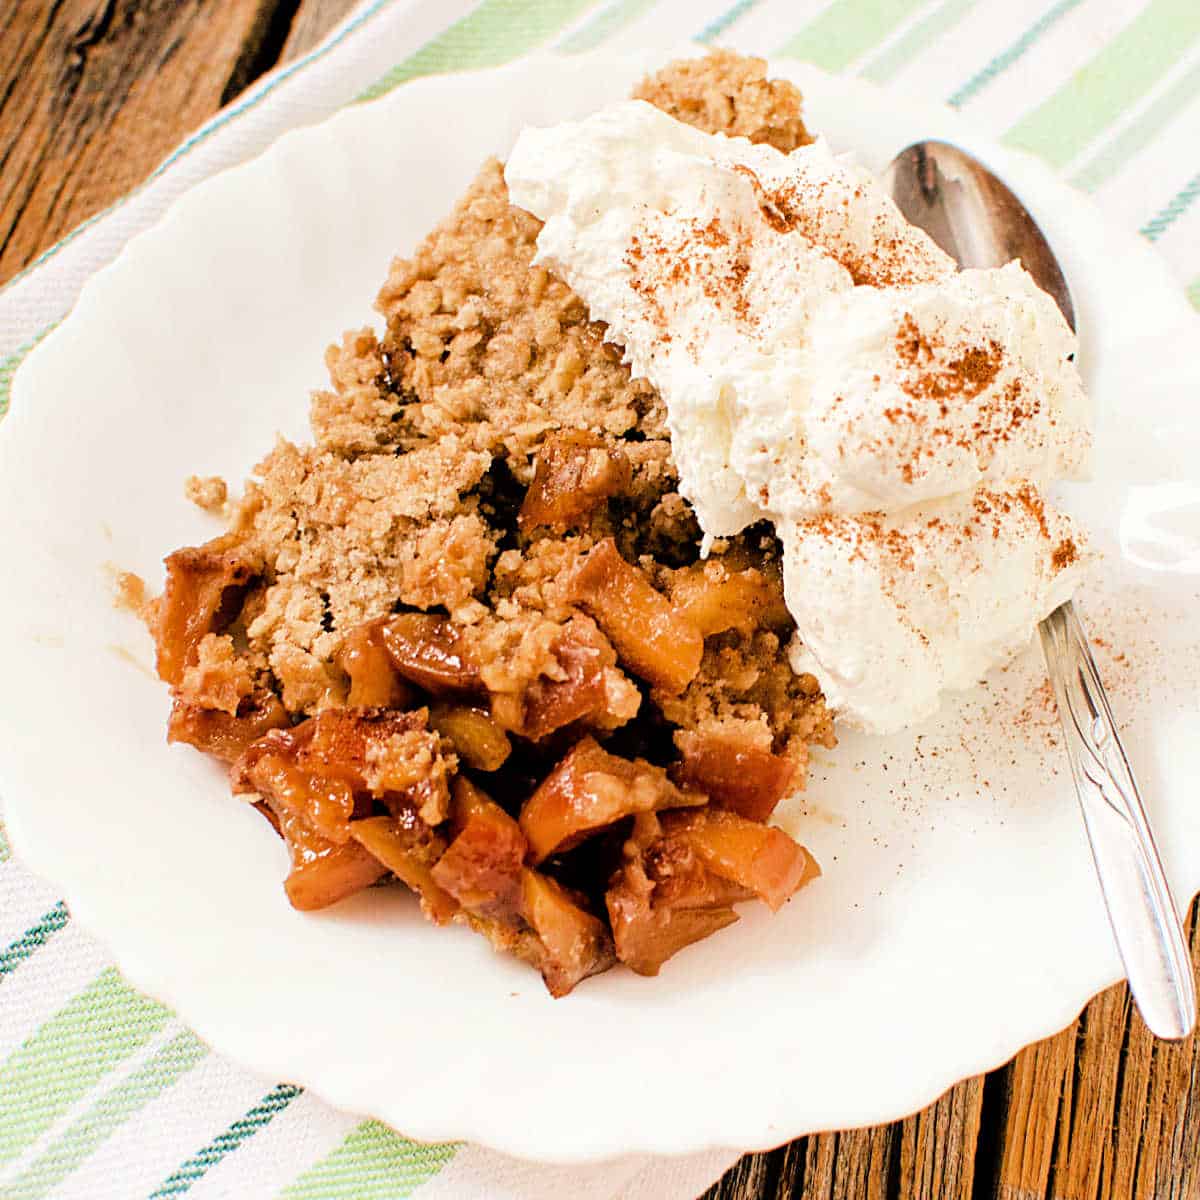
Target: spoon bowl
{"type": "Point", "coordinates": [973, 215]}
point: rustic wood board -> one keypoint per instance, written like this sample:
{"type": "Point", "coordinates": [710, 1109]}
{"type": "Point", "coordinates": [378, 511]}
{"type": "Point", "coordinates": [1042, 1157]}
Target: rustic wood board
{"type": "Point", "coordinates": [93, 95]}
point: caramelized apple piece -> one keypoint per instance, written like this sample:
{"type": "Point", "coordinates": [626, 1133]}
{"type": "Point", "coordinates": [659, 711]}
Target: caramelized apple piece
{"type": "Point", "coordinates": [482, 867]}
{"type": "Point", "coordinates": [651, 636]}
{"type": "Point", "coordinates": [316, 779]}
{"type": "Point", "coordinates": [573, 943]}
{"type": "Point", "coordinates": [590, 790]}
{"type": "Point", "coordinates": [714, 598]}
{"type": "Point", "coordinates": [391, 755]}
{"type": "Point", "coordinates": [646, 937]}
{"type": "Point", "coordinates": [374, 681]}
{"type": "Point", "coordinates": [477, 739]}
{"type": "Point", "coordinates": [221, 735]}
{"type": "Point", "coordinates": [574, 472]}
{"type": "Point", "coordinates": [733, 773]}
{"type": "Point", "coordinates": [761, 858]}
{"type": "Point", "coordinates": [471, 801]}
{"type": "Point", "coordinates": [323, 872]}
{"type": "Point", "coordinates": [591, 688]}
{"type": "Point", "coordinates": [269, 768]}
{"type": "Point", "coordinates": [331, 765]}
{"type": "Point", "coordinates": [205, 589]}
{"type": "Point", "coordinates": [684, 871]}
{"type": "Point", "coordinates": [377, 750]}
{"type": "Point", "coordinates": [428, 651]}
{"type": "Point", "coordinates": [664, 899]}
{"type": "Point", "coordinates": [409, 853]}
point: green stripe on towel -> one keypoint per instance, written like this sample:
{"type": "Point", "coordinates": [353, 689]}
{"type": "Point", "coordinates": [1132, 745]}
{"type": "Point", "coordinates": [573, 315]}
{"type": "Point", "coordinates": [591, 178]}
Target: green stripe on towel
{"type": "Point", "coordinates": [917, 40]}
{"type": "Point", "coordinates": [1110, 84]}
{"type": "Point", "coordinates": [996, 67]}
{"type": "Point", "coordinates": [1140, 132]}
{"type": "Point", "coordinates": [97, 1029]}
{"type": "Point", "coordinates": [373, 1163]}
{"type": "Point", "coordinates": [494, 33]}
{"type": "Point", "coordinates": [847, 30]}
{"type": "Point", "coordinates": [189, 1173]}
{"type": "Point", "coordinates": [605, 24]}
{"type": "Point", "coordinates": [1179, 204]}
{"type": "Point", "coordinates": [729, 18]}
{"type": "Point", "coordinates": [36, 935]}
{"type": "Point", "coordinates": [158, 1073]}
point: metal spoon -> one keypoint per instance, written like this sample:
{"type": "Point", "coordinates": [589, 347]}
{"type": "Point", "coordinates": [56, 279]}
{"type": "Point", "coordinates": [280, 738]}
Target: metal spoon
{"type": "Point", "coordinates": [980, 223]}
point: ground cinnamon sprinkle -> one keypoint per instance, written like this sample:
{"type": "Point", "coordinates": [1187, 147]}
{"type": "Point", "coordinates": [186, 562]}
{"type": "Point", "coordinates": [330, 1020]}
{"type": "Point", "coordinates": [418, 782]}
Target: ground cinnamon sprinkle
{"type": "Point", "coordinates": [964, 377]}
{"type": "Point", "coordinates": [1065, 553]}
{"type": "Point", "coordinates": [707, 255]}
{"type": "Point", "coordinates": [883, 262]}
{"type": "Point", "coordinates": [1035, 506]}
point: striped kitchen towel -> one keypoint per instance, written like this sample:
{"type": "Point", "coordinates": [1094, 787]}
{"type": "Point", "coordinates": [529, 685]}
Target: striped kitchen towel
{"type": "Point", "coordinates": [103, 1092]}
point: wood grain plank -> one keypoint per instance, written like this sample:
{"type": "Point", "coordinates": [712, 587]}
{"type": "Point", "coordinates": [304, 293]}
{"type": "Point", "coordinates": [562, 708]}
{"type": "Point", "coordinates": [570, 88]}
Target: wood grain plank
{"type": "Point", "coordinates": [311, 23]}
{"type": "Point", "coordinates": [1156, 1124]}
{"type": "Point", "coordinates": [938, 1145]}
{"type": "Point", "coordinates": [750, 1178]}
{"type": "Point", "coordinates": [856, 1164]}
{"type": "Point", "coordinates": [95, 93]}
{"type": "Point", "coordinates": [1037, 1087]}
{"type": "Point", "coordinates": [1085, 1138]}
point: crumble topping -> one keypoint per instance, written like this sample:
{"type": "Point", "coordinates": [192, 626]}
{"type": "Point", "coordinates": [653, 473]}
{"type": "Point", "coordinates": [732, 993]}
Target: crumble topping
{"type": "Point", "coordinates": [481, 565]}
{"type": "Point", "coordinates": [724, 92]}
{"type": "Point", "coordinates": [208, 492]}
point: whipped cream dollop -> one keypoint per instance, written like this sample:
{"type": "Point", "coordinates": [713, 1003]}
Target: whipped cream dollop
{"type": "Point", "coordinates": [825, 365]}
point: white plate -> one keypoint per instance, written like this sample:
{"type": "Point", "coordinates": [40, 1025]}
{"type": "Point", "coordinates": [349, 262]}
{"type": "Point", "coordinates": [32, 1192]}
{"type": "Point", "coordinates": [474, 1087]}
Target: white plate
{"type": "Point", "coordinates": [958, 918]}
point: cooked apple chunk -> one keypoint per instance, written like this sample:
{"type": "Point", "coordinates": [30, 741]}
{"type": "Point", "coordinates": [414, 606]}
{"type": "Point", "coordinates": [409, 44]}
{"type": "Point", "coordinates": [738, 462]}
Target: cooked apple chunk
{"type": "Point", "coordinates": [270, 768]}
{"type": "Point", "coordinates": [374, 680]}
{"type": "Point", "coordinates": [379, 752]}
{"type": "Point", "coordinates": [204, 591]}
{"type": "Point", "coordinates": [664, 898]}
{"type": "Point", "coordinates": [732, 772]}
{"type": "Point", "coordinates": [590, 790]}
{"type": "Point", "coordinates": [481, 868]}
{"type": "Point", "coordinates": [573, 473]}
{"type": "Point", "coordinates": [573, 943]}
{"type": "Point", "coordinates": [428, 651]}
{"type": "Point", "coordinates": [645, 936]}
{"type": "Point", "coordinates": [221, 735]}
{"type": "Point", "coordinates": [323, 870]}
{"type": "Point", "coordinates": [760, 858]}
{"type": "Point", "coordinates": [652, 637]}
{"type": "Point", "coordinates": [408, 849]}
{"type": "Point", "coordinates": [477, 739]}
{"type": "Point", "coordinates": [590, 687]}
{"type": "Point", "coordinates": [331, 767]}
{"type": "Point", "coordinates": [714, 598]}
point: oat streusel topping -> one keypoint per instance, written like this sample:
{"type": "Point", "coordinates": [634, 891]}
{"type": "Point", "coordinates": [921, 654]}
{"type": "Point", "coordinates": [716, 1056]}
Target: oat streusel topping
{"type": "Point", "coordinates": [426, 439]}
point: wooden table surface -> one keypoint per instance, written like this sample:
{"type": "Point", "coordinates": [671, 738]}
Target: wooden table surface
{"type": "Point", "coordinates": [93, 94]}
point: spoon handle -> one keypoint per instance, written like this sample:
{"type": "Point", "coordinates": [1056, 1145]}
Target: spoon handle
{"type": "Point", "coordinates": [1144, 921]}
